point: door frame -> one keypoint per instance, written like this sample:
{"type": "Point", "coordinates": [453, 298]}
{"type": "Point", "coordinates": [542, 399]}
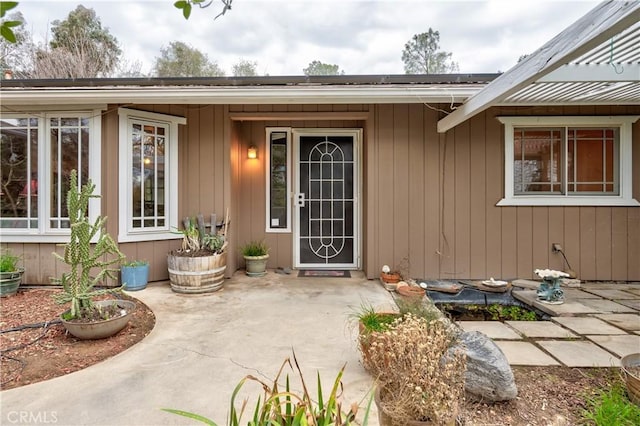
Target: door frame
{"type": "Point", "coordinates": [356, 133]}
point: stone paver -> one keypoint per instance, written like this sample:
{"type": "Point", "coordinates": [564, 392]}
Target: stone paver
{"type": "Point", "coordinates": [611, 293]}
{"type": "Point", "coordinates": [574, 293]}
{"type": "Point", "coordinates": [627, 322]}
{"type": "Point", "coordinates": [635, 291]}
{"type": "Point", "coordinates": [619, 345]}
{"type": "Point", "coordinates": [541, 329]}
{"type": "Point", "coordinates": [605, 305]}
{"type": "Point", "coordinates": [493, 329]}
{"type": "Point", "coordinates": [530, 284]}
{"type": "Point", "coordinates": [579, 353]}
{"type": "Point", "coordinates": [634, 303]}
{"type": "Point", "coordinates": [568, 308]}
{"type": "Point", "coordinates": [524, 353]}
{"type": "Point", "coordinates": [588, 325]}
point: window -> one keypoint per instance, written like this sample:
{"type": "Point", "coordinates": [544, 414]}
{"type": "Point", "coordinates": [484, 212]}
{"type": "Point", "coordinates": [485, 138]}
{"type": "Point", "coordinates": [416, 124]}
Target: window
{"type": "Point", "coordinates": [568, 160]}
{"type": "Point", "coordinates": [39, 150]}
{"type": "Point", "coordinates": [278, 180]}
{"type": "Point", "coordinates": [148, 175]}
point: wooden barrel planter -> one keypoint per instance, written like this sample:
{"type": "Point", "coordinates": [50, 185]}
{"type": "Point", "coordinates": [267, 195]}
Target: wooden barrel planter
{"type": "Point", "coordinates": [195, 275]}
{"type": "Point", "coordinates": [631, 369]}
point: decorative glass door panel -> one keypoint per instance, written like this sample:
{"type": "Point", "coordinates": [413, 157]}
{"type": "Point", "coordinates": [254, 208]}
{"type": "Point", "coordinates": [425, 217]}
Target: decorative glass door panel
{"type": "Point", "coordinates": [326, 201]}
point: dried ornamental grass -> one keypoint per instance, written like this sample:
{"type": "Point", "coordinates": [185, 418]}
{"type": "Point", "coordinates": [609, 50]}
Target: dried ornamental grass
{"type": "Point", "coordinates": [420, 376]}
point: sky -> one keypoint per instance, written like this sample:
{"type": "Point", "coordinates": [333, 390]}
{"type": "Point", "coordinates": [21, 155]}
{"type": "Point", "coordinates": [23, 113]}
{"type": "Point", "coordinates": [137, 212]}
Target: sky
{"type": "Point", "coordinates": [362, 37]}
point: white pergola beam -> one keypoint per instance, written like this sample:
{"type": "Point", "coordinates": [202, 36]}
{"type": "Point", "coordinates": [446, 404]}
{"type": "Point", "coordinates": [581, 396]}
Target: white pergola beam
{"type": "Point", "coordinates": [592, 73]}
{"type": "Point", "coordinates": [600, 24]}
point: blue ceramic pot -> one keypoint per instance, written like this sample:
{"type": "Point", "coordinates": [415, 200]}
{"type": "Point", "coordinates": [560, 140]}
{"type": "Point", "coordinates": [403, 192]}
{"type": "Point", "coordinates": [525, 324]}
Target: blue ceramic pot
{"type": "Point", "coordinates": [134, 277]}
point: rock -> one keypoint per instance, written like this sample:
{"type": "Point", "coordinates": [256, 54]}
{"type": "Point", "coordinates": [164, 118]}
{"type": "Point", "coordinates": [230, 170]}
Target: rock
{"type": "Point", "coordinates": [489, 377]}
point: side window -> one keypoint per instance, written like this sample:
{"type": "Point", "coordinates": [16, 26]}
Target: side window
{"type": "Point", "coordinates": [278, 179]}
{"type": "Point", "coordinates": [148, 175]}
{"type": "Point", "coordinates": [39, 150]}
{"type": "Point", "coordinates": [568, 161]}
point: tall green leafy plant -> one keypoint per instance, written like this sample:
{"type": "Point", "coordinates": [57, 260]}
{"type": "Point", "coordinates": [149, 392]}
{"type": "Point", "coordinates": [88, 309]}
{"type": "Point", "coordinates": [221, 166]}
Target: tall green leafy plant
{"type": "Point", "coordinates": [285, 407]}
{"type": "Point", "coordinates": [83, 256]}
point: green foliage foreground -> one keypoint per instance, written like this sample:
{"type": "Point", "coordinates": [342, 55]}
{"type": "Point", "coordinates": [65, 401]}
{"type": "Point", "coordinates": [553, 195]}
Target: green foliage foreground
{"type": "Point", "coordinates": [285, 407]}
{"type": "Point", "coordinates": [611, 407]}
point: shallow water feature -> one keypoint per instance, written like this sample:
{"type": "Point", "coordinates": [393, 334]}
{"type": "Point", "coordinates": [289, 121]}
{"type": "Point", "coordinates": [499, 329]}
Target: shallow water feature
{"type": "Point", "coordinates": [472, 304]}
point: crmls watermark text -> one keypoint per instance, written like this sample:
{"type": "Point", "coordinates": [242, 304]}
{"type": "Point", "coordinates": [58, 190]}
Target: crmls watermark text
{"type": "Point", "coordinates": [32, 417]}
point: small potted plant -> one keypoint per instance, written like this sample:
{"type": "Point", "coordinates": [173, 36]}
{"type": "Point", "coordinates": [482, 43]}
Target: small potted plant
{"type": "Point", "coordinates": [89, 255]}
{"type": "Point", "coordinates": [10, 273]}
{"type": "Point", "coordinates": [134, 275]}
{"type": "Point", "coordinates": [256, 255]}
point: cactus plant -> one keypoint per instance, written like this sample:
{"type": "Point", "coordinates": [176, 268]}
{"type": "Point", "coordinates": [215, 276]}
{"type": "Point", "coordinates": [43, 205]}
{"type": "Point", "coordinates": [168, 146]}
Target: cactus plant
{"type": "Point", "coordinates": [84, 256]}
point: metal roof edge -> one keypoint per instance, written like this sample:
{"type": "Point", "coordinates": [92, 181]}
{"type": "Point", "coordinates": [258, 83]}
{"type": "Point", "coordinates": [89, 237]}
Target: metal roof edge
{"type": "Point", "coordinates": [331, 80]}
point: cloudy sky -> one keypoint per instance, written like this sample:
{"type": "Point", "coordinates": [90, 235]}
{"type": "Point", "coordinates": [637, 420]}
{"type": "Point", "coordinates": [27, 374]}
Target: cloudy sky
{"type": "Point", "coordinates": [361, 36]}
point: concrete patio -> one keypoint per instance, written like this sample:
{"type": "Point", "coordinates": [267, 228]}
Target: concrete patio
{"type": "Point", "coordinates": [202, 346]}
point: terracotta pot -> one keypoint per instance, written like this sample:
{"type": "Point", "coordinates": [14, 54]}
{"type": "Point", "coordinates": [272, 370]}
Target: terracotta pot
{"type": "Point", "coordinates": [411, 291]}
{"type": "Point", "coordinates": [390, 278]}
{"type": "Point", "coordinates": [100, 329]}
{"type": "Point", "coordinates": [385, 420]}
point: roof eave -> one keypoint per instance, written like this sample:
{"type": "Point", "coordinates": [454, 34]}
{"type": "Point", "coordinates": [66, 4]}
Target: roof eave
{"type": "Point", "coordinates": [439, 93]}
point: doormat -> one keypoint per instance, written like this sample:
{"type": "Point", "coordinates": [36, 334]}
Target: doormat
{"type": "Point", "coordinates": [324, 273]}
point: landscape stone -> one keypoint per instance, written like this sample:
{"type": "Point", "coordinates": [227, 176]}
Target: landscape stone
{"type": "Point", "coordinates": [489, 376]}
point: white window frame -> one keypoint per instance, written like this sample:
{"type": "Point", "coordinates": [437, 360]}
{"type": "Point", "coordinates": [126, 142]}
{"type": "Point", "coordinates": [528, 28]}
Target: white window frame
{"type": "Point", "coordinates": [44, 233]}
{"type": "Point", "coordinates": [126, 231]}
{"type": "Point", "coordinates": [625, 176]}
{"type": "Point", "coordinates": [267, 159]}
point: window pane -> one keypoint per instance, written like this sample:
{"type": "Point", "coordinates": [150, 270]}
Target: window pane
{"type": "Point", "coordinates": [278, 218]}
{"type": "Point", "coordinates": [537, 160]}
{"type": "Point", "coordinates": [70, 141]}
{"type": "Point", "coordinates": [592, 160]}
{"type": "Point", "coordinates": [148, 181]}
{"type": "Point", "coordinates": [19, 171]}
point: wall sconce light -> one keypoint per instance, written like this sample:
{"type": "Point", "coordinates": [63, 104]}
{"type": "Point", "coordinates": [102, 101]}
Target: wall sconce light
{"type": "Point", "coordinates": [252, 152]}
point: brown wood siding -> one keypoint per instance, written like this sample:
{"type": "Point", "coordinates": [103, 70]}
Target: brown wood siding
{"type": "Point", "coordinates": [427, 197]}
{"type": "Point", "coordinates": [451, 195]}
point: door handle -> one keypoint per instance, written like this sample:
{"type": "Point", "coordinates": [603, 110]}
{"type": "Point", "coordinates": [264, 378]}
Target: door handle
{"type": "Point", "coordinates": [299, 199]}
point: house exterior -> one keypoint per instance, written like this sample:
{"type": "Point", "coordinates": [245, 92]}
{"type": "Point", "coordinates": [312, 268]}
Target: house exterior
{"type": "Point", "coordinates": [449, 176]}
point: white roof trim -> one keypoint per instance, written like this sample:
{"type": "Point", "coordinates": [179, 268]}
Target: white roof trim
{"type": "Point", "coordinates": [437, 93]}
{"type": "Point", "coordinates": [600, 24]}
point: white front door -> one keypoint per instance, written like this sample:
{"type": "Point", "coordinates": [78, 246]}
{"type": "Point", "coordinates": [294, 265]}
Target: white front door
{"type": "Point", "coordinates": [327, 198]}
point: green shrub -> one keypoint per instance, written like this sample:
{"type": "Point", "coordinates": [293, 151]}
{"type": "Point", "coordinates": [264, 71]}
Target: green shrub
{"type": "Point", "coordinates": [611, 407]}
{"type": "Point", "coordinates": [8, 262]}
